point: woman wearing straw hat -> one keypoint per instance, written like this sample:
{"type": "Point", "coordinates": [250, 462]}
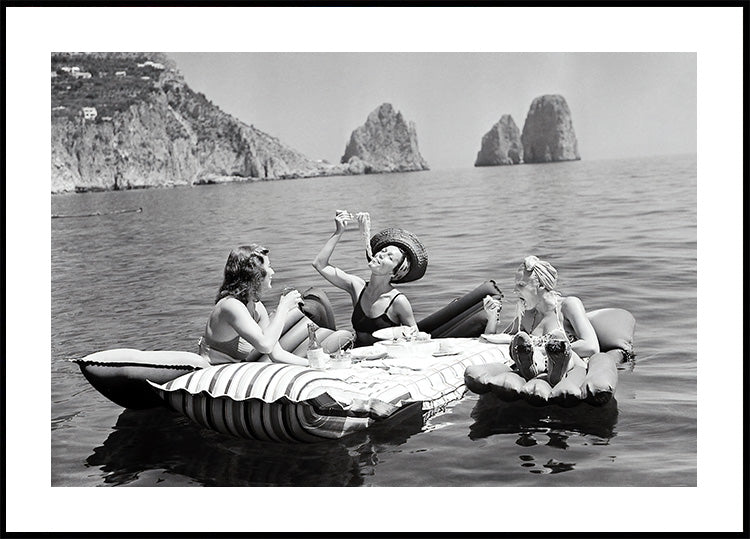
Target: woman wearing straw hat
{"type": "Point", "coordinates": [551, 332]}
{"type": "Point", "coordinates": [398, 257]}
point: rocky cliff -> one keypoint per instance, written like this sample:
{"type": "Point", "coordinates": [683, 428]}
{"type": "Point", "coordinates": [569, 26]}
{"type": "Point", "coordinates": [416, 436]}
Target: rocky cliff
{"type": "Point", "coordinates": [129, 120]}
{"type": "Point", "coordinates": [501, 145]}
{"type": "Point", "coordinates": [548, 133]}
{"type": "Point", "coordinates": [385, 143]}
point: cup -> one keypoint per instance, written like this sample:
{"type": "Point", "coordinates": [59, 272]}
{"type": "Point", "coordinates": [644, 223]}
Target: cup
{"type": "Point", "coordinates": [288, 289]}
{"type": "Point", "coordinates": [343, 361]}
{"type": "Point", "coordinates": [318, 359]}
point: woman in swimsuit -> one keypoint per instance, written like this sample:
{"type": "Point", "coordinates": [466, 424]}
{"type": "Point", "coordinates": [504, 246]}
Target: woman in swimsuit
{"type": "Point", "coordinates": [239, 322]}
{"type": "Point", "coordinates": [377, 304]}
{"type": "Point", "coordinates": [551, 332]}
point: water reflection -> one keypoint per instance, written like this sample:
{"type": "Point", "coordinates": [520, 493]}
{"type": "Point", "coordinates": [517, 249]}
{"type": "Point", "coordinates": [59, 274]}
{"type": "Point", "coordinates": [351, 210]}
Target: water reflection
{"type": "Point", "coordinates": [551, 426]}
{"type": "Point", "coordinates": [161, 440]}
{"type": "Point", "coordinates": [494, 416]}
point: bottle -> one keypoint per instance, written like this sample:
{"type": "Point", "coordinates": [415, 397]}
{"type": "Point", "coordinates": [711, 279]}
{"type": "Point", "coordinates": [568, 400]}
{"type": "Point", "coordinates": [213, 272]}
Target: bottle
{"type": "Point", "coordinates": [315, 353]}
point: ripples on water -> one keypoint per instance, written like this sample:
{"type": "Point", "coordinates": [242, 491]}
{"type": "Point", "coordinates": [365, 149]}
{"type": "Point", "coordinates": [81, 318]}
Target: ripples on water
{"type": "Point", "coordinates": [621, 233]}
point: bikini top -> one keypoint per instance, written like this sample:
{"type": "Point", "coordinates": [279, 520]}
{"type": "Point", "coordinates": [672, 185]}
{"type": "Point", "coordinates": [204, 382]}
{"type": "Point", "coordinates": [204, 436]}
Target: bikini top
{"type": "Point", "coordinates": [236, 347]}
{"type": "Point", "coordinates": [364, 324]}
{"type": "Point", "coordinates": [541, 340]}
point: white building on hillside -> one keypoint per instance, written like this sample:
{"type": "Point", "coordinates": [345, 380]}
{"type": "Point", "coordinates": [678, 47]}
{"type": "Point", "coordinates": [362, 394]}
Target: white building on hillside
{"type": "Point", "coordinates": [89, 113]}
{"type": "Point", "coordinates": [155, 65]}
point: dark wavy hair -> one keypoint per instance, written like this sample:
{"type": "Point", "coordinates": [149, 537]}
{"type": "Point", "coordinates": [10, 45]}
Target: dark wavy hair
{"type": "Point", "coordinates": [243, 273]}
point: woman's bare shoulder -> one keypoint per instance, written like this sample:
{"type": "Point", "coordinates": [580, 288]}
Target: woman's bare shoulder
{"type": "Point", "coordinates": [572, 304]}
{"type": "Point", "coordinates": [401, 304]}
{"type": "Point", "coordinates": [399, 297]}
{"type": "Point", "coordinates": [231, 305]}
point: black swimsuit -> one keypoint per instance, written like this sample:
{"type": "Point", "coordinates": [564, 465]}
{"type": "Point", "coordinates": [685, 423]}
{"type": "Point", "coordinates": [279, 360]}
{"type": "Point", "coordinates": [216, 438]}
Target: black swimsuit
{"type": "Point", "coordinates": [364, 324]}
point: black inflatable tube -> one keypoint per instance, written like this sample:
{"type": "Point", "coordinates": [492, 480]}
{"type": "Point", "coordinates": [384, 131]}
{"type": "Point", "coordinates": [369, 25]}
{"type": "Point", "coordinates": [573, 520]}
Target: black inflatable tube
{"type": "Point", "coordinates": [450, 315]}
{"type": "Point", "coordinates": [470, 323]}
{"type": "Point", "coordinates": [317, 307]}
{"type": "Point", "coordinates": [444, 329]}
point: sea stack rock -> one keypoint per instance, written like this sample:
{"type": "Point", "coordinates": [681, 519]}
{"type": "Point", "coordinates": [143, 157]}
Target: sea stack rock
{"type": "Point", "coordinates": [501, 145]}
{"type": "Point", "coordinates": [548, 132]}
{"type": "Point", "coordinates": [385, 143]}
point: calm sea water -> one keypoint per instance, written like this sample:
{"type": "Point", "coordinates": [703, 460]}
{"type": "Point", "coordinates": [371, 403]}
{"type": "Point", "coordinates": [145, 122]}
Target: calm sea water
{"type": "Point", "coordinates": [622, 233]}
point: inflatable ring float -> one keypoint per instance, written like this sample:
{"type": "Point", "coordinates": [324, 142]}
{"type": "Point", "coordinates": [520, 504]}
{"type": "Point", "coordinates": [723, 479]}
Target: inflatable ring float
{"type": "Point", "coordinates": [614, 328]}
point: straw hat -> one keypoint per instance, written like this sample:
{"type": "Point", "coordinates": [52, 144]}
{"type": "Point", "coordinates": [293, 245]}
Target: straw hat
{"type": "Point", "coordinates": [410, 244]}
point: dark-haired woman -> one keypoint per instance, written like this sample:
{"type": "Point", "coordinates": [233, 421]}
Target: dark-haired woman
{"type": "Point", "coordinates": [239, 323]}
{"type": "Point", "coordinates": [398, 257]}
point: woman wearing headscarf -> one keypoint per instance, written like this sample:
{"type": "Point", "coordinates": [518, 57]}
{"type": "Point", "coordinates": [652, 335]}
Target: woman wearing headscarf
{"type": "Point", "coordinates": [397, 257]}
{"type": "Point", "coordinates": [551, 332]}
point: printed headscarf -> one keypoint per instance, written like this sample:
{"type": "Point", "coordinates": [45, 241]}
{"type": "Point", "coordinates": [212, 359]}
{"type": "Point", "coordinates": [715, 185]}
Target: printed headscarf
{"type": "Point", "coordinates": [545, 272]}
{"type": "Point", "coordinates": [404, 268]}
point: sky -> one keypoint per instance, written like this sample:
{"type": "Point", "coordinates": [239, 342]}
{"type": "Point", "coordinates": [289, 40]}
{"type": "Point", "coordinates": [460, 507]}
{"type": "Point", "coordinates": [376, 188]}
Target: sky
{"type": "Point", "coordinates": [622, 104]}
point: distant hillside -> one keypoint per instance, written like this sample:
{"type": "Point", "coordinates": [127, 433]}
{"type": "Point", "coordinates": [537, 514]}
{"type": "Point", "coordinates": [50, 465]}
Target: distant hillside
{"type": "Point", "coordinates": [129, 120]}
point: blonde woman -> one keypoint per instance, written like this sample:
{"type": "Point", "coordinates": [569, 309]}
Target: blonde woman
{"type": "Point", "coordinates": [552, 335]}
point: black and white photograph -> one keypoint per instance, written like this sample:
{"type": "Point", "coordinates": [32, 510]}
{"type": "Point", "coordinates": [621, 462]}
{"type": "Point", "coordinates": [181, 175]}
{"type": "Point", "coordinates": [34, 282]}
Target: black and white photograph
{"type": "Point", "coordinates": [396, 248]}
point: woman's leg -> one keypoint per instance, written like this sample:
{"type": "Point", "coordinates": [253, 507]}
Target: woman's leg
{"type": "Point", "coordinates": [522, 353]}
{"type": "Point", "coordinates": [558, 356]}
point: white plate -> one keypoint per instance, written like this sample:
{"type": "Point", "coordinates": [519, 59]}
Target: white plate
{"type": "Point", "coordinates": [368, 352]}
{"type": "Point", "coordinates": [497, 338]}
{"type": "Point", "coordinates": [391, 333]}
{"type": "Point", "coordinates": [446, 353]}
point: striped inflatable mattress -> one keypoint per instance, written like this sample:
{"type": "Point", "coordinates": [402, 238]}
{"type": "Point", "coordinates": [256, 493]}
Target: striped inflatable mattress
{"type": "Point", "coordinates": [289, 403]}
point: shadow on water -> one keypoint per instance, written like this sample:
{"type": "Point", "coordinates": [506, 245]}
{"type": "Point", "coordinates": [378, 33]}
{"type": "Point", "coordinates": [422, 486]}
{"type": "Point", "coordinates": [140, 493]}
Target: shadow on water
{"type": "Point", "coordinates": [163, 441]}
{"type": "Point", "coordinates": [494, 416]}
{"type": "Point", "coordinates": [557, 424]}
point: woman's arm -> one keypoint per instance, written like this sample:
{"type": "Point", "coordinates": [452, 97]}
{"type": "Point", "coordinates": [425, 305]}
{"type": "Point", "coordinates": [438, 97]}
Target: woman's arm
{"type": "Point", "coordinates": [512, 328]}
{"type": "Point", "coordinates": [574, 311]}
{"type": "Point", "coordinates": [492, 308]}
{"type": "Point", "coordinates": [278, 354]}
{"type": "Point", "coordinates": [263, 339]}
{"type": "Point", "coordinates": [404, 313]}
{"type": "Point", "coordinates": [332, 274]}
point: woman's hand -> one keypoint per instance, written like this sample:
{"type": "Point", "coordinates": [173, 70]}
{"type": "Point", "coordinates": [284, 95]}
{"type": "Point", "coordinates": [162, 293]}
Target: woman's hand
{"type": "Point", "coordinates": [289, 301]}
{"type": "Point", "coordinates": [491, 306]}
{"type": "Point", "coordinates": [363, 218]}
{"type": "Point", "coordinates": [342, 218]}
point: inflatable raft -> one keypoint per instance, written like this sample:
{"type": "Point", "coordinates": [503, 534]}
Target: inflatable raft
{"type": "Point", "coordinates": [289, 403]}
{"type": "Point", "coordinates": [121, 374]}
{"type": "Point", "coordinates": [614, 328]}
{"type": "Point", "coordinates": [267, 401]}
